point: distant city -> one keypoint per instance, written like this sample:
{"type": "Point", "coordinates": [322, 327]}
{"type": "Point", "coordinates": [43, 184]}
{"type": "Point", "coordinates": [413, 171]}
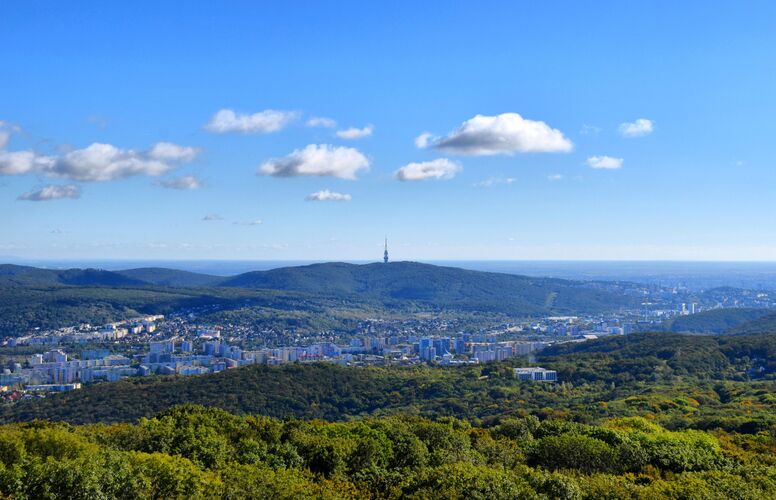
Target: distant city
{"type": "Point", "coordinates": [182, 344]}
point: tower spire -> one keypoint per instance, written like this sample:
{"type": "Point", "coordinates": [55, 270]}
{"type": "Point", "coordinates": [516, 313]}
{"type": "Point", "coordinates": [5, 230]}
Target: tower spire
{"type": "Point", "coordinates": [385, 254]}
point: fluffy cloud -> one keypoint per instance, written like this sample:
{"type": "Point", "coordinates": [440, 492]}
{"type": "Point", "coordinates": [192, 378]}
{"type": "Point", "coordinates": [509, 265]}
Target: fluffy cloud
{"type": "Point", "coordinates": [320, 121]}
{"type": "Point", "coordinates": [167, 151]}
{"type": "Point", "coordinates": [263, 122]}
{"type": "Point", "coordinates": [53, 192]}
{"type": "Point", "coordinates": [441, 168]}
{"type": "Point", "coordinates": [494, 181]}
{"type": "Point", "coordinates": [98, 162]}
{"type": "Point", "coordinates": [24, 162]}
{"type": "Point", "coordinates": [327, 195]}
{"type": "Point", "coordinates": [638, 128]}
{"type": "Point", "coordinates": [317, 160]}
{"type": "Point", "coordinates": [508, 133]}
{"type": "Point", "coordinates": [355, 133]}
{"type": "Point", "coordinates": [212, 217]}
{"type": "Point", "coordinates": [186, 182]}
{"type": "Point", "coordinates": [605, 162]}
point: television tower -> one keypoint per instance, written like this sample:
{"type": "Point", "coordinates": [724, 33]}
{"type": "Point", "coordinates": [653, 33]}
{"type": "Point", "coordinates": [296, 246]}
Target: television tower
{"type": "Point", "coordinates": [385, 254]}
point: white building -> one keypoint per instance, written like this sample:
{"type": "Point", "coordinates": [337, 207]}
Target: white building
{"type": "Point", "coordinates": [536, 374]}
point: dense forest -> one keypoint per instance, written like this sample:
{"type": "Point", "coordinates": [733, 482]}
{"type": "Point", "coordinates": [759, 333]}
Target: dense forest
{"type": "Point", "coordinates": [196, 452]}
{"type": "Point", "coordinates": [640, 416]}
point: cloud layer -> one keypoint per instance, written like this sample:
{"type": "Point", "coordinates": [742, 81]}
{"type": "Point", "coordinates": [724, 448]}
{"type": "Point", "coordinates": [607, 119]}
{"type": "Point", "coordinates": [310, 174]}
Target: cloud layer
{"type": "Point", "coordinates": [638, 128]}
{"type": "Point", "coordinates": [441, 168]}
{"type": "Point", "coordinates": [98, 162]}
{"type": "Point", "coordinates": [323, 160]}
{"type": "Point", "coordinates": [263, 122]}
{"type": "Point", "coordinates": [53, 192]}
{"type": "Point", "coordinates": [327, 195]}
{"type": "Point", "coordinates": [508, 133]}
{"type": "Point", "coordinates": [604, 162]}
{"type": "Point", "coordinates": [355, 133]}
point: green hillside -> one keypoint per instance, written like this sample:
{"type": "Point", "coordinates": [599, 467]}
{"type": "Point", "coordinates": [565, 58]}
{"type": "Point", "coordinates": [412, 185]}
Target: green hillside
{"type": "Point", "coordinates": [715, 321]}
{"type": "Point", "coordinates": [170, 277]}
{"type": "Point", "coordinates": [20, 276]}
{"type": "Point", "coordinates": [763, 324]}
{"type": "Point", "coordinates": [42, 298]}
{"type": "Point", "coordinates": [437, 286]}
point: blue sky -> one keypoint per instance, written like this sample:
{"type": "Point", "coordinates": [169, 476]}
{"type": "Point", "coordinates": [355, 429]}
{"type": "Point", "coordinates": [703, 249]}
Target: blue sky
{"type": "Point", "coordinates": [115, 105]}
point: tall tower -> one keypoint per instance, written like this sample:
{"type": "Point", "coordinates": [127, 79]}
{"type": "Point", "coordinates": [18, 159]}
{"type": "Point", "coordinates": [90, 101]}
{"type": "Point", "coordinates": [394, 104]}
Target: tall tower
{"type": "Point", "coordinates": [385, 254]}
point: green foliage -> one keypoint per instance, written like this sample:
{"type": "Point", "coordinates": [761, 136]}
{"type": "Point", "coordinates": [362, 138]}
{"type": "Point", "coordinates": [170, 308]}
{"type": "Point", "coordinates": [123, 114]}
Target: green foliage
{"type": "Point", "coordinates": [196, 452]}
{"type": "Point", "coordinates": [715, 320]}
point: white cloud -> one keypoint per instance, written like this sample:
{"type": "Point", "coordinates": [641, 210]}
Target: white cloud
{"type": "Point", "coordinates": [317, 160]}
{"type": "Point", "coordinates": [327, 195]}
{"type": "Point", "coordinates": [355, 133]}
{"type": "Point", "coordinates": [423, 140]}
{"type": "Point", "coordinates": [508, 133]}
{"type": "Point", "coordinates": [605, 162]}
{"type": "Point", "coordinates": [320, 121]}
{"type": "Point", "coordinates": [186, 182]}
{"type": "Point", "coordinates": [441, 168]}
{"type": "Point", "coordinates": [53, 192]}
{"type": "Point", "coordinates": [104, 162]}
{"type": "Point", "coordinates": [494, 181]}
{"type": "Point", "coordinates": [555, 177]}
{"type": "Point", "coordinates": [172, 152]}
{"type": "Point", "coordinates": [638, 128]}
{"type": "Point", "coordinates": [5, 137]}
{"type": "Point", "coordinates": [24, 162]}
{"type": "Point", "coordinates": [212, 217]}
{"type": "Point", "coordinates": [263, 122]}
{"type": "Point", "coordinates": [256, 222]}
{"type": "Point", "coordinates": [98, 162]}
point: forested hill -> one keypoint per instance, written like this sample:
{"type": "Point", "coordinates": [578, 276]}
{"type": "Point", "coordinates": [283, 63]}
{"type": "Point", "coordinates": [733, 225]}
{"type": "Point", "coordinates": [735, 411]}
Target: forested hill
{"type": "Point", "coordinates": [445, 287]}
{"type": "Point", "coordinates": [728, 320]}
{"type": "Point", "coordinates": [656, 356]}
{"type": "Point", "coordinates": [395, 286]}
{"type": "Point", "coordinates": [22, 276]}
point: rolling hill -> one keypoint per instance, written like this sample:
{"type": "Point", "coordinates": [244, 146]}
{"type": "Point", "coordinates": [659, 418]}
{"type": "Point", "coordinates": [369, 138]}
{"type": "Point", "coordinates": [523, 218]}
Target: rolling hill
{"type": "Point", "coordinates": [12, 275]}
{"type": "Point", "coordinates": [717, 320]}
{"type": "Point", "coordinates": [443, 287]}
{"type": "Point", "coordinates": [394, 286]}
{"type": "Point", "coordinates": [161, 276]}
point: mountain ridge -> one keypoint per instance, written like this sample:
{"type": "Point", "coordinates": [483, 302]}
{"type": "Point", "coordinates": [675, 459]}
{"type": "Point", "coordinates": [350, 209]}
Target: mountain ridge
{"type": "Point", "coordinates": [397, 282]}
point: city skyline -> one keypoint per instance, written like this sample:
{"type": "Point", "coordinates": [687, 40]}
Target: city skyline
{"type": "Point", "coordinates": [503, 131]}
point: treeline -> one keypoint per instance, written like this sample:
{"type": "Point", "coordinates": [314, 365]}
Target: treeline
{"type": "Point", "coordinates": [196, 452]}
